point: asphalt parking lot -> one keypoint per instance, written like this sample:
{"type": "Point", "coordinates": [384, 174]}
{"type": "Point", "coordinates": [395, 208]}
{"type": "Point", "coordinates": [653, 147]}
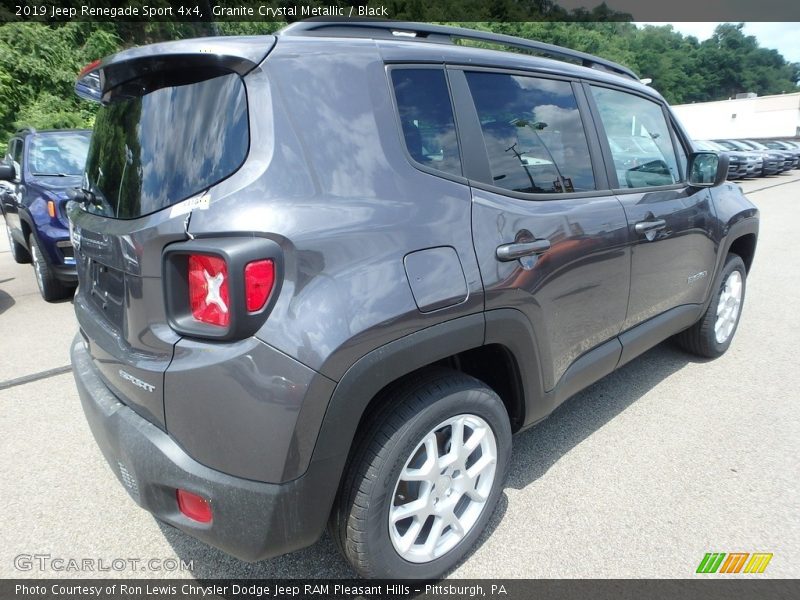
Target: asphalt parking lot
{"type": "Point", "coordinates": [638, 476]}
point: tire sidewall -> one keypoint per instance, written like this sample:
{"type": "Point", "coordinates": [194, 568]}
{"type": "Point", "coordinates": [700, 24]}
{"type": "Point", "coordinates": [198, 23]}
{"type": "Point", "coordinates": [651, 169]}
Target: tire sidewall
{"type": "Point", "coordinates": [480, 402]}
{"type": "Point", "coordinates": [40, 267]}
{"type": "Point", "coordinates": [733, 263]}
{"type": "Point", "coordinates": [14, 247]}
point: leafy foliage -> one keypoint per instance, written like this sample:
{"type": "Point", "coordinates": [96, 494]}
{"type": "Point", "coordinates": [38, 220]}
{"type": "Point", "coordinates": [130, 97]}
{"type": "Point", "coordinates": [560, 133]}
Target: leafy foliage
{"type": "Point", "coordinates": [39, 61]}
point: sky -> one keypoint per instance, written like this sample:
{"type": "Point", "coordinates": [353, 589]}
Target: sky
{"type": "Point", "coordinates": [783, 37]}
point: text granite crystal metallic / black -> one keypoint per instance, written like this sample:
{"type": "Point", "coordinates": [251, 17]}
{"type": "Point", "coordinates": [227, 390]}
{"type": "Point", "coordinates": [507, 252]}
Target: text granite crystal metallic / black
{"type": "Point", "coordinates": [338, 267]}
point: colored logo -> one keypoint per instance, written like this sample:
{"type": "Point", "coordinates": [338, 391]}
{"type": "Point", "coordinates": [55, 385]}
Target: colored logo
{"type": "Point", "coordinates": [735, 562]}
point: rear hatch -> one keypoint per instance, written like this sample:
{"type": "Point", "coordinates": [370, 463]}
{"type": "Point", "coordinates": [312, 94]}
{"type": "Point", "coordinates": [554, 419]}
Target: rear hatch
{"type": "Point", "coordinates": [173, 123]}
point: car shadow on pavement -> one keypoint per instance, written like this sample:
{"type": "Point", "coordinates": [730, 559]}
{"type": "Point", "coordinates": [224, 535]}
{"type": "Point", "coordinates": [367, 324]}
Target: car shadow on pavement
{"type": "Point", "coordinates": [539, 448]}
{"type": "Point", "coordinates": [6, 300]}
{"type": "Point", "coordinates": [535, 451]}
{"type": "Point", "coordinates": [320, 561]}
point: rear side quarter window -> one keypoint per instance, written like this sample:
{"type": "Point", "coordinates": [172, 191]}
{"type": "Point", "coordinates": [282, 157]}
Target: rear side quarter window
{"type": "Point", "coordinates": [426, 118]}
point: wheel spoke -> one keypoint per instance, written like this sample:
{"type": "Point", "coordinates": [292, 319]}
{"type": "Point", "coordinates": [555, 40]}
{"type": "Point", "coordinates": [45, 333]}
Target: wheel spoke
{"type": "Point", "coordinates": [416, 508]}
{"type": "Point", "coordinates": [454, 522]}
{"type": "Point", "coordinates": [728, 307]}
{"type": "Point", "coordinates": [424, 472]}
{"type": "Point", "coordinates": [434, 535]}
{"type": "Point", "coordinates": [454, 453]}
{"type": "Point", "coordinates": [736, 286]}
{"type": "Point", "coordinates": [476, 494]}
{"type": "Point", "coordinates": [410, 536]}
{"type": "Point", "coordinates": [474, 441]}
{"type": "Point", "coordinates": [484, 462]}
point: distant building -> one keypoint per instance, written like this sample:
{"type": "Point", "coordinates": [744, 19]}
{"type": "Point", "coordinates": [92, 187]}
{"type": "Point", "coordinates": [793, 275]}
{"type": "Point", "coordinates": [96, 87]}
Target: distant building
{"type": "Point", "coordinates": [747, 117]}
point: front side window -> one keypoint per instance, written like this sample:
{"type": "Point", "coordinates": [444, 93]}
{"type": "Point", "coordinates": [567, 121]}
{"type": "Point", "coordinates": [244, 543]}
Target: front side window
{"type": "Point", "coordinates": [639, 137]}
{"type": "Point", "coordinates": [426, 117]}
{"type": "Point", "coordinates": [533, 133]}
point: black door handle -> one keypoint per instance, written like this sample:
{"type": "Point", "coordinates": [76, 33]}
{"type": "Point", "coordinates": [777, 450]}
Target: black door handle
{"type": "Point", "coordinates": [645, 226]}
{"type": "Point", "coordinates": [516, 250]}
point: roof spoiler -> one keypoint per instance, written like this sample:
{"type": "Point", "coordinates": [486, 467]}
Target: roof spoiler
{"type": "Point", "coordinates": [237, 54]}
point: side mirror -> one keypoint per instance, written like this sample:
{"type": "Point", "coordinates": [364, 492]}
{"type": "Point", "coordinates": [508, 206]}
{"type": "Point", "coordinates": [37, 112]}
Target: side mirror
{"type": "Point", "coordinates": [707, 169]}
{"type": "Point", "coordinates": [7, 173]}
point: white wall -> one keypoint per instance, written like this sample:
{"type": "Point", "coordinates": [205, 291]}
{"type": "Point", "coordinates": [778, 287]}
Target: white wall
{"type": "Point", "coordinates": [764, 117]}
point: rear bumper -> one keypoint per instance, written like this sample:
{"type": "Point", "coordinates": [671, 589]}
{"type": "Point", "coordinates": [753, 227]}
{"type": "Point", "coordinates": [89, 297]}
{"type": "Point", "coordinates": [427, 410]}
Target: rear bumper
{"type": "Point", "coordinates": [251, 520]}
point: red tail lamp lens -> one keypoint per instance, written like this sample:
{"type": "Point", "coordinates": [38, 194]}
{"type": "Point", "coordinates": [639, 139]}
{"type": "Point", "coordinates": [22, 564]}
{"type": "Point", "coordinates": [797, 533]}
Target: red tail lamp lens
{"type": "Point", "coordinates": [259, 277]}
{"type": "Point", "coordinates": [88, 67]}
{"type": "Point", "coordinates": [193, 506]}
{"type": "Point", "coordinates": [209, 296]}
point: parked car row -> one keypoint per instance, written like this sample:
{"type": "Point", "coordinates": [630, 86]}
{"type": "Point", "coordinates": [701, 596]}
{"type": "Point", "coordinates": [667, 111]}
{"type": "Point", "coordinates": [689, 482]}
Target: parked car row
{"type": "Point", "coordinates": [750, 158]}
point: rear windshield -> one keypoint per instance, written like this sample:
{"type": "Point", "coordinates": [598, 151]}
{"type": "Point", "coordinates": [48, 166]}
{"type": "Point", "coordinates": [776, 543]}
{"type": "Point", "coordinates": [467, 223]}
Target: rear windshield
{"type": "Point", "coordinates": [152, 149]}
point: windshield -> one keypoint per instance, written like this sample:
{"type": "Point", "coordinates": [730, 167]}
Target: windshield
{"type": "Point", "coordinates": [730, 144]}
{"type": "Point", "coordinates": [709, 145]}
{"type": "Point", "coordinates": [756, 145]}
{"type": "Point", "coordinates": [58, 154]}
{"type": "Point", "coordinates": [155, 145]}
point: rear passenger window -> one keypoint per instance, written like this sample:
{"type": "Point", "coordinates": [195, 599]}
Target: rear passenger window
{"type": "Point", "coordinates": [639, 138]}
{"type": "Point", "coordinates": [533, 133]}
{"type": "Point", "coordinates": [426, 116]}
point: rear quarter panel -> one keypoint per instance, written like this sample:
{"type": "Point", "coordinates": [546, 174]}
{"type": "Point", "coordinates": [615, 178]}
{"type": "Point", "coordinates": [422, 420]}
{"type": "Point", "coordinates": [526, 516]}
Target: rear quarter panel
{"type": "Point", "coordinates": [327, 178]}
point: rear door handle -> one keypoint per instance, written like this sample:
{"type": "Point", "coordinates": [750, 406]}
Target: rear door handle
{"type": "Point", "coordinates": [646, 226]}
{"type": "Point", "coordinates": [517, 250]}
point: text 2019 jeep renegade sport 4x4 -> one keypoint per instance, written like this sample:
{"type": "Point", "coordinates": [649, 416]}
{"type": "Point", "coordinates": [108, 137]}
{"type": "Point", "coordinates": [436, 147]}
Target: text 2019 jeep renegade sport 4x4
{"type": "Point", "coordinates": [325, 275]}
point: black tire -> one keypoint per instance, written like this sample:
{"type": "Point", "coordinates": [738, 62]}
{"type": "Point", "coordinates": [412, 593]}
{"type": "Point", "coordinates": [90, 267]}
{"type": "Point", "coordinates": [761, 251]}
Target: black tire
{"type": "Point", "coordinates": [50, 287]}
{"type": "Point", "coordinates": [359, 522]}
{"type": "Point", "coordinates": [18, 252]}
{"type": "Point", "coordinates": [701, 338]}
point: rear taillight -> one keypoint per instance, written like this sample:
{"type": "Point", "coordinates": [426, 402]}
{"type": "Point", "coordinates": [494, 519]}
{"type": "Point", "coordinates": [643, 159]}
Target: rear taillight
{"type": "Point", "coordinates": [209, 296]}
{"type": "Point", "coordinates": [221, 288]}
{"type": "Point", "coordinates": [259, 277]}
{"type": "Point", "coordinates": [88, 68]}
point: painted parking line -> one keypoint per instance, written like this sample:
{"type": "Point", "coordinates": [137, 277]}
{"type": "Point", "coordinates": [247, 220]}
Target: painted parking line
{"type": "Point", "coordinates": [9, 383]}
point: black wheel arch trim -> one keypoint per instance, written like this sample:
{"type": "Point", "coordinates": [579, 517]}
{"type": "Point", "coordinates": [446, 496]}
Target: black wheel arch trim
{"type": "Point", "coordinates": [746, 223]}
{"type": "Point", "coordinates": [388, 363]}
{"type": "Point", "coordinates": [368, 376]}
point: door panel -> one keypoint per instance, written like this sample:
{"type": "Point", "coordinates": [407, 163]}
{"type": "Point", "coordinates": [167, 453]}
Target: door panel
{"type": "Point", "coordinates": [675, 267]}
{"type": "Point", "coordinates": [576, 292]}
{"type": "Point", "coordinates": [548, 242]}
{"type": "Point", "coordinates": [670, 227]}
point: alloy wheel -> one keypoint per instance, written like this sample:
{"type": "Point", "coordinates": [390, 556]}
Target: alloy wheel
{"type": "Point", "coordinates": [37, 259]}
{"type": "Point", "coordinates": [728, 307]}
{"type": "Point", "coordinates": [443, 488]}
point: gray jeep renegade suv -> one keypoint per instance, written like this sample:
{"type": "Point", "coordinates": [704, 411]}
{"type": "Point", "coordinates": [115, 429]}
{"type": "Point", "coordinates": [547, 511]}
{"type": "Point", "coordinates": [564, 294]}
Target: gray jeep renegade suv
{"type": "Point", "coordinates": [325, 275]}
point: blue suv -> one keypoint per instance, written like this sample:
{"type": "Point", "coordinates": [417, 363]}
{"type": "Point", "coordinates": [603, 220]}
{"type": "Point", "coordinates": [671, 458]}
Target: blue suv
{"type": "Point", "coordinates": [39, 169]}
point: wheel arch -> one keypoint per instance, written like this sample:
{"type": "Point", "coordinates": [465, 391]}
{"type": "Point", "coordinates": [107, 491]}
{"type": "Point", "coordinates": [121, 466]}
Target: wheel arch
{"type": "Point", "coordinates": [745, 247]}
{"type": "Point", "coordinates": [480, 345]}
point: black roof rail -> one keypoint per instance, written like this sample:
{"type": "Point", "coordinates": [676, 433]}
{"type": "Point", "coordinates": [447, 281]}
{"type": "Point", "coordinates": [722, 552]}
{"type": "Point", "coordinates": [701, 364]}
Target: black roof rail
{"type": "Point", "coordinates": [26, 129]}
{"type": "Point", "coordinates": [407, 30]}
